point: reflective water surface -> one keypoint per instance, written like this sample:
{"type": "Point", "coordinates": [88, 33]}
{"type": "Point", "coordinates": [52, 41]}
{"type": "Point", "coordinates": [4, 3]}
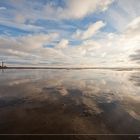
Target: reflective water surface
{"type": "Point", "coordinates": [69, 102]}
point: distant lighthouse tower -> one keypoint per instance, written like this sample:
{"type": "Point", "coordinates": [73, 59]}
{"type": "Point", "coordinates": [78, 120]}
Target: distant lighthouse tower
{"type": "Point", "coordinates": [2, 64]}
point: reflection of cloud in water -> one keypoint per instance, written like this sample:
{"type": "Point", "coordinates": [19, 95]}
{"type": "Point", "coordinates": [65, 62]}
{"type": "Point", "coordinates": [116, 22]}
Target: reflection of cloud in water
{"type": "Point", "coordinates": [20, 81]}
{"type": "Point", "coordinates": [103, 96]}
{"type": "Point", "coordinates": [134, 115]}
{"type": "Point", "coordinates": [135, 77]}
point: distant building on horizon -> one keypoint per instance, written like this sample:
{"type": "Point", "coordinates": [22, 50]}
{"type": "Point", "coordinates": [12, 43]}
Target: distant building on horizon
{"type": "Point", "coordinates": [2, 65]}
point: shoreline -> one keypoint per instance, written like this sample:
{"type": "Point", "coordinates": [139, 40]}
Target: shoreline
{"type": "Point", "coordinates": [70, 68]}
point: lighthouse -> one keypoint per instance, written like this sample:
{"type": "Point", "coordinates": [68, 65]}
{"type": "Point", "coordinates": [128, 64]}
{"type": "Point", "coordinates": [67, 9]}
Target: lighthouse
{"type": "Point", "coordinates": [2, 64]}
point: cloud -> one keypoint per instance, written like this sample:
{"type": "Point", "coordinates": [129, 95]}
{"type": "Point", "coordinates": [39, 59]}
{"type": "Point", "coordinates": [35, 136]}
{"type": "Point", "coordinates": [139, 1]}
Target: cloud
{"type": "Point", "coordinates": [24, 15]}
{"type": "Point", "coordinates": [133, 28]}
{"type": "Point", "coordinates": [70, 32]}
{"type": "Point", "coordinates": [121, 13]}
{"type": "Point", "coordinates": [91, 30]}
{"type": "Point", "coordinates": [88, 48]}
{"type": "Point", "coordinates": [27, 42]}
{"type": "Point", "coordinates": [3, 8]}
{"type": "Point", "coordinates": [112, 49]}
{"type": "Point", "coordinates": [20, 26]}
{"type": "Point", "coordinates": [136, 57]}
{"type": "Point", "coordinates": [120, 47]}
{"type": "Point", "coordinates": [76, 9]}
{"type": "Point", "coordinates": [62, 44]}
{"type": "Point", "coordinates": [71, 9]}
{"type": "Point", "coordinates": [29, 48]}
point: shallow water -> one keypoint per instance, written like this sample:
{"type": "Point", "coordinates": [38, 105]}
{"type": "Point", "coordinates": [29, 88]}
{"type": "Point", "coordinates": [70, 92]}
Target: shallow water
{"type": "Point", "coordinates": [69, 102]}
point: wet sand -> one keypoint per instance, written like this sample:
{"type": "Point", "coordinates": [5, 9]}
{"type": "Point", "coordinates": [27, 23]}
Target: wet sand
{"type": "Point", "coordinates": [70, 103]}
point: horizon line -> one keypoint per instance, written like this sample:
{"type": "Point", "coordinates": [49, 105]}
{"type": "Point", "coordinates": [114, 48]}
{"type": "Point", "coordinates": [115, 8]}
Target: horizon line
{"type": "Point", "coordinates": [64, 67]}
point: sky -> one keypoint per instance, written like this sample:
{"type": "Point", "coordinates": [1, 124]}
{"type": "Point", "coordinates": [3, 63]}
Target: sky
{"type": "Point", "coordinates": [97, 33]}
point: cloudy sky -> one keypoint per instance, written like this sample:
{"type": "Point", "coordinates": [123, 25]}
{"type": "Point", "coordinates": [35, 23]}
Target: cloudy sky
{"type": "Point", "coordinates": [70, 32]}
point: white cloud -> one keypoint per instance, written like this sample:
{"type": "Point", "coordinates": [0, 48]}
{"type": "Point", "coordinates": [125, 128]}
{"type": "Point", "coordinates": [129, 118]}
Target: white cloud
{"type": "Point", "coordinates": [135, 23]}
{"type": "Point", "coordinates": [110, 50]}
{"type": "Point", "coordinates": [133, 28]}
{"type": "Point", "coordinates": [88, 48]}
{"type": "Point", "coordinates": [24, 13]}
{"type": "Point", "coordinates": [91, 30]}
{"type": "Point", "coordinates": [30, 48]}
{"type": "Point", "coordinates": [73, 9]}
{"type": "Point", "coordinates": [118, 47]}
{"type": "Point", "coordinates": [77, 9]}
{"type": "Point", "coordinates": [3, 8]}
{"type": "Point", "coordinates": [97, 48]}
{"type": "Point", "coordinates": [62, 44]}
{"type": "Point", "coordinates": [122, 13]}
{"type": "Point", "coordinates": [21, 26]}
